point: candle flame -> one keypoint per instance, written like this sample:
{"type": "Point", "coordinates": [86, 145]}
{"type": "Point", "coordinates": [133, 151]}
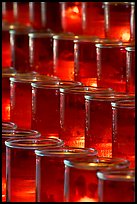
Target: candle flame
{"type": "Point", "coordinates": [125, 36]}
{"type": "Point", "coordinates": [87, 199]}
{"type": "Point", "coordinates": [75, 9]}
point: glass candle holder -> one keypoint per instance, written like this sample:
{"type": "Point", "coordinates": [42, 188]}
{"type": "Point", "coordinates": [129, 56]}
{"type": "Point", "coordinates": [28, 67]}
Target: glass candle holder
{"type": "Point", "coordinates": [123, 129]}
{"type": "Point", "coordinates": [98, 131]}
{"type": "Point", "coordinates": [21, 13]}
{"type": "Point", "coordinates": [50, 171]}
{"type": "Point", "coordinates": [81, 182]}
{"type": "Point", "coordinates": [63, 56]}
{"type": "Point", "coordinates": [130, 69]}
{"type": "Point", "coordinates": [6, 74]}
{"type": "Point", "coordinates": [72, 114]}
{"type": "Point", "coordinates": [6, 52]}
{"type": "Point", "coordinates": [43, 17]}
{"type": "Point", "coordinates": [111, 65]}
{"type": "Point", "coordinates": [85, 59]}
{"type": "Point", "coordinates": [8, 125]}
{"type": "Point", "coordinates": [119, 20]}
{"type": "Point", "coordinates": [19, 41]}
{"type": "Point", "coordinates": [93, 19]}
{"type": "Point", "coordinates": [114, 183]}
{"type": "Point", "coordinates": [7, 13]}
{"type": "Point", "coordinates": [21, 97]}
{"type": "Point", "coordinates": [72, 17]}
{"type": "Point", "coordinates": [20, 155]}
{"type": "Point", "coordinates": [7, 133]}
{"type": "Point", "coordinates": [41, 52]}
{"type": "Point", "coordinates": [37, 17]}
{"type": "Point", "coordinates": [46, 97]}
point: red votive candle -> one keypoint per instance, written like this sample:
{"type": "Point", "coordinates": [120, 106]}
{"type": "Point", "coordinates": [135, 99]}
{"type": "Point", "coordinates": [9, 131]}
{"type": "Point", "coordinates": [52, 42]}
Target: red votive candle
{"type": "Point", "coordinates": [98, 131]}
{"type": "Point", "coordinates": [37, 12]}
{"type": "Point", "coordinates": [6, 51]}
{"type": "Point", "coordinates": [85, 59]}
{"type": "Point", "coordinates": [50, 171]}
{"type": "Point", "coordinates": [130, 69]}
{"type": "Point", "coordinates": [93, 19]}
{"type": "Point", "coordinates": [111, 65]}
{"type": "Point", "coordinates": [63, 56]}
{"type": "Point", "coordinates": [123, 129]}
{"type": "Point", "coordinates": [81, 182]}
{"type": "Point", "coordinates": [119, 20]}
{"type": "Point", "coordinates": [41, 52]}
{"type": "Point", "coordinates": [19, 41]}
{"type": "Point", "coordinates": [116, 185]}
{"type": "Point", "coordinates": [21, 97]}
{"type": "Point", "coordinates": [72, 114]}
{"type": "Point", "coordinates": [7, 133]}
{"type": "Point", "coordinates": [7, 13]}
{"type": "Point", "coordinates": [6, 74]}
{"type": "Point", "coordinates": [72, 17]}
{"type": "Point", "coordinates": [21, 13]}
{"type": "Point", "coordinates": [46, 97]}
{"type": "Point", "coordinates": [21, 167]}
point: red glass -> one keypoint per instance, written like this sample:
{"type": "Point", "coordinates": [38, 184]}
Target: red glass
{"type": "Point", "coordinates": [85, 62]}
{"type": "Point", "coordinates": [37, 12]}
{"type": "Point", "coordinates": [111, 65]}
{"type": "Point", "coordinates": [41, 52]}
{"type": "Point", "coordinates": [118, 23]}
{"type": "Point", "coordinates": [6, 74]}
{"type": "Point", "coordinates": [116, 186]}
{"type": "Point", "coordinates": [72, 114]}
{"type": "Point", "coordinates": [93, 19]}
{"type": "Point", "coordinates": [123, 130]}
{"type": "Point", "coordinates": [81, 182]}
{"type": "Point", "coordinates": [98, 131]}
{"type": "Point", "coordinates": [6, 51]}
{"type": "Point", "coordinates": [63, 56]}
{"type": "Point", "coordinates": [72, 17]}
{"type": "Point", "coordinates": [21, 167]}
{"type": "Point", "coordinates": [50, 171]}
{"type": "Point", "coordinates": [19, 40]}
{"type": "Point", "coordinates": [21, 13]}
{"type": "Point", "coordinates": [8, 134]}
{"type": "Point", "coordinates": [130, 69]}
{"type": "Point", "coordinates": [7, 13]}
{"type": "Point", "coordinates": [21, 97]}
{"type": "Point", "coordinates": [46, 99]}
{"type": "Point", "coordinates": [45, 15]}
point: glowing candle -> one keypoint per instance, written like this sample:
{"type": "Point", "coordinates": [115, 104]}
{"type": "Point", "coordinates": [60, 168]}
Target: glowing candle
{"type": "Point", "coordinates": [72, 17]}
{"type": "Point", "coordinates": [119, 20]}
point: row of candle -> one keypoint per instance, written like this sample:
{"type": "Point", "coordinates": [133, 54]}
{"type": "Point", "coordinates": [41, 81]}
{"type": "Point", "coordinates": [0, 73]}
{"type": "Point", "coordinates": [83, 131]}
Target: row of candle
{"type": "Point", "coordinates": [103, 19]}
{"type": "Point", "coordinates": [88, 59]}
{"type": "Point", "coordinates": [93, 124]}
{"type": "Point", "coordinates": [58, 173]}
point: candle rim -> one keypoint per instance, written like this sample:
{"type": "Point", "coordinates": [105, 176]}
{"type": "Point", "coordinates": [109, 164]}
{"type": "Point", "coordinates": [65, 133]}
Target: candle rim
{"type": "Point", "coordinates": [108, 96]}
{"type": "Point", "coordinates": [18, 132]}
{"type": "Point", "coordinates": [97, 163]}
{"type": "Point", "coordinates": [8, 125]}
{"type": "Point", "coordinates": [117, 175]}
{"type": "Point", "coordinates": [124, 103]}
{"type": "Point", "coordinates": [83, 89]}
{"type": "Point", "coordinates": [67, 152]}
{"type": "Point", "coordinates": [34, 143]}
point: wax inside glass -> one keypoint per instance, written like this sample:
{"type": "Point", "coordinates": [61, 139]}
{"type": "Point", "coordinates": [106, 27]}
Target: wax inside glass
{"type": "Point", "coordinates": [81, 182]}
{"type": "Point", "coordinates": [112, 184]}
{"type": "Point", "coordinates": [50, 171]}
{"type": "Point", "coordinates": [20, 154]}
